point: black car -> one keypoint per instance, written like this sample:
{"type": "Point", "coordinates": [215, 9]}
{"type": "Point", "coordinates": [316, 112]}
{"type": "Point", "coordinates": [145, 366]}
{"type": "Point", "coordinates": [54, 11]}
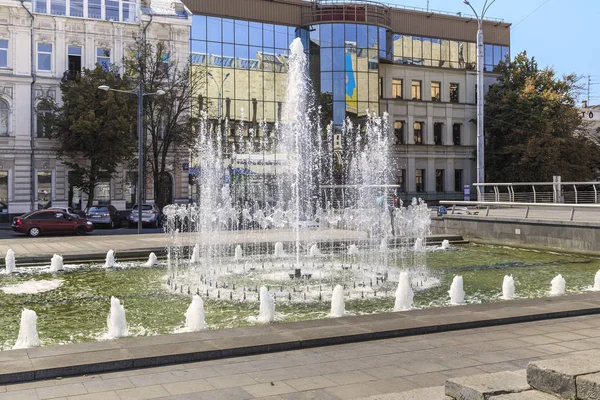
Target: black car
{"type": "Point", "coordinates": [104, 215]}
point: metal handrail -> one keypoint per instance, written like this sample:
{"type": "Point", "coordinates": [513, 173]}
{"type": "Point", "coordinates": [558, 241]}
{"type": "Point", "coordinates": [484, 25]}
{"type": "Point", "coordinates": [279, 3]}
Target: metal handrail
{"type": "Point", "coordinates": [527, 206]}
{"type": "Point", "coordinates": [561, 191]}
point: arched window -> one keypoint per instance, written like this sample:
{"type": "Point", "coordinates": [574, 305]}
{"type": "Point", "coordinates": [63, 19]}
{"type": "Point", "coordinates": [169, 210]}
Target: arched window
{"type": "Point", "coordinates": [4, 115]}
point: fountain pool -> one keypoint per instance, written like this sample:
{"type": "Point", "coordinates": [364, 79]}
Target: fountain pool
{"type": "Point", "coordinates": [77, 310]}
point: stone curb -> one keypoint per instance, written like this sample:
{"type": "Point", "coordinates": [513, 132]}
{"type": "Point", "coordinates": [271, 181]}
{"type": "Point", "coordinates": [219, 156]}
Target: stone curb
{"type": "Point", "coordinates": [84, 358]}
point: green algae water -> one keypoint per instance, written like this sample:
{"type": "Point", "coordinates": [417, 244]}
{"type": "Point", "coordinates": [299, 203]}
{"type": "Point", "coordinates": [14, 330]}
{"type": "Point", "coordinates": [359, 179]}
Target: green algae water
{"type": "Point", "coordinates": [76, 309]}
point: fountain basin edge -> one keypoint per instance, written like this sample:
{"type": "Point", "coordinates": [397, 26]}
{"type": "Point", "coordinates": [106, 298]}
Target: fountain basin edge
{"type": "Point", "coordinates": [146, 351]}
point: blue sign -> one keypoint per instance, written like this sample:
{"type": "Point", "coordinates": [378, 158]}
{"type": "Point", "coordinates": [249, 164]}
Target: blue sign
{"type": "Point", "coordinates": [467, 192]}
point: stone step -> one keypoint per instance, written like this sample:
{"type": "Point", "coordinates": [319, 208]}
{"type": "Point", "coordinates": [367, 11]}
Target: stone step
{"type": "Point", "coordinates": [527, 395]}
{"type": "Point", "coordinates": [483, 387]}
{"type": "Point", "coordinates": [559, 376]}
{"type": "Point", "coordinates": [588, 387]}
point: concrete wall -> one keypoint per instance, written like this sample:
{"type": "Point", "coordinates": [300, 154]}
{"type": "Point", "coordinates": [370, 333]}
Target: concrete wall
{"type": "Point", "coordinates": [565, 236]}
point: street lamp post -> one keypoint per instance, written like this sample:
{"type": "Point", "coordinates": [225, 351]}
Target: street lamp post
{"type": "Point", "coordinates": [480, 134]}
{"type": "Point", "coordinates": [139, 92]}
{"type": "Point", "coordinates": [220, 97]}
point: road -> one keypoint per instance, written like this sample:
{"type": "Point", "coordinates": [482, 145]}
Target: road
{"type": "Point", "coordinates": [7, 233]}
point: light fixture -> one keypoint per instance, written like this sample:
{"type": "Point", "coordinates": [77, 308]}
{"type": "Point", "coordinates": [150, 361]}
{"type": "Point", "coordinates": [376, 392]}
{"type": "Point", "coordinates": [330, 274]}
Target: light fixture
{"type": "Point", "coordinates": [103, 87]}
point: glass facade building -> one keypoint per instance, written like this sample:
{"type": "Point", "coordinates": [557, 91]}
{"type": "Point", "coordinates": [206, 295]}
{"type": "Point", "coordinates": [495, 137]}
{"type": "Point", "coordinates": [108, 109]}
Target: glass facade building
{"type": "Point", "coordinates": [246, 64]}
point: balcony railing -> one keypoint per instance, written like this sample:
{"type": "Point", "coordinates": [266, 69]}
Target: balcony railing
{"type": "Point", "coordinates": [368, 12]}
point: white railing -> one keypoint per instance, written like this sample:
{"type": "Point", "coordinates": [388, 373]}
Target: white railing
{"type": "Point", "coordinates": [539, 192]}
{"type": "Point", "coordinates": [485, 206]}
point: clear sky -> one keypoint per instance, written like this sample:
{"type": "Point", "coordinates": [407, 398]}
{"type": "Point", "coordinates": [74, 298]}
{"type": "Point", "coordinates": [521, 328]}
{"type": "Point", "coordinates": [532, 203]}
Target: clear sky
{"type": "Point", "coordinates": [562, 34]}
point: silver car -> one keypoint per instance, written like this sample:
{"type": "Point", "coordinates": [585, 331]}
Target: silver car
{"type": "Point", "coordinates": [150, 216]}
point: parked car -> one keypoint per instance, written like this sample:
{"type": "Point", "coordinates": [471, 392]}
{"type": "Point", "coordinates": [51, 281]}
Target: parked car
{"type": "Point", "coordinates": [40, 222]}
{"type": "Point", "coordinates": [104, 215]}
{"type": "Point", "coordinates": [150, 216]}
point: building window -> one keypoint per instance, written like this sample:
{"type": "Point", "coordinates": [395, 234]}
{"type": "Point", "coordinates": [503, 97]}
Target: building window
{"type": "Point", "coordinates": [380, 88]}
{"type": "Point", "coordinates": [40, 6]}
{"type": "Point", "coordinates": [42, 128]}
{"type": "Point", "coordinates": [418, 132]}
{"type": "Point", "coordinates": [3, 192]}
{"type": "Point", "coordinates": [44, 57]}
{"type": "Point", "coordinates": [420, 180]}
{"type": "Point", "coordinates": [456, 134]}
{"type": "Point", "coordinates": [439, 180]}
{"type": "Point", "coordinates": [401, 180]}
{"type": "Point", "coordinates": [416, 90]}
{"type": "Point", "coordinates": [76, 8]}
{"type": "Point", "coordinates": [458, 180]}
{"type": "Point", "coordinates": [103, 58]}
{"type": "Point", "coordinates": [94, 9]}
{"type": "Point", "coordinates": [437, 133]}
{"type": "Point", "coordinates": [3, 53]}
{"type": "Point", "coordinates": [436, 91]}
{"type": "Point", "coordinates": [4, 114]}
{"type": "Point", "coordinates": [74, 59]}
{"type": "Point", "coordinates": [111, 10]}
{"type": "Point", "coordinates": [397, 88]}
{"type": "Point", "coordinates": [128, 11]}
{"type": "Point", "coordinates": [454, 93]}
{"type": "Point", "coordinates": [44, 189]}
{"type": "Point", "coordinates": [399, 132]}
{"type": "Point", "coordinates": [58, 7]}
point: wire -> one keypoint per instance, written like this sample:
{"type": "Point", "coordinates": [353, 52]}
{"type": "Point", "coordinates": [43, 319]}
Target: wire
{"type": "Point", "coordinates": [523, 19]}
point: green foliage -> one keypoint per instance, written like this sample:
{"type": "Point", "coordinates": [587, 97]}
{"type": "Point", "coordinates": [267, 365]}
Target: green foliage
{"type": "Point", "coordinates": [92, 128]}
{"type": "Point", "coordinates": [168, 119]}
{"type": "Point", "coordinates": [531, 124]}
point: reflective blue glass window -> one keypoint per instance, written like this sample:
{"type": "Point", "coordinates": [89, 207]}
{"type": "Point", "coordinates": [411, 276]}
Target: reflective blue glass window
{"type": "Point", "coordinates": [214, 29]}
{"type": "Point", "coordinates": [339, 86]}
{"type": "Point", "coordinates": [351, 33]}
{"type": "Point", "coordinates": [291, 35]}
{"type": "Point", "coordinates": [361, 35]}
{"type": "Point", "coordinates": [372, 36]}
{"type": "Point", "coordinates": [199, 27]}
{"type": "Point", "coordinates": [241, 32]}
{"type": "Point", "coordinates": [228, 50]}
{"type": "Point", "coordinates": [214, 48]}
{"type": "Point", "coordinates": [254, 52]}
{"type": "Point", "coordinates": [382, 41]}
{"type": "Point", "coordinates": [241, 51]}
{"type": "Point", "coordinates": [338, 35]}
{"type": "Point", "coordinates": [228, 31]}
{"type": "Point", "coordinates": [326, 36]}
{"type": "Point", "coordinates": [256, 34]}
{"type": "Point", "coordinates": [339, 112]}
{"type": "Point", "coordinates": [326, 59]}
{"type": "Point", "coordinates": [198, 46]}
{"type": "Point", "coordinates": [489, 54]}
{"type": "Point", "coordinates": [314, 34]}
{"type": "Point", "coordinates": [281, 37]}
{"type": "Point", "coordinates": [505, 52]}
{"type": "Point", "coordinates": [339, 60]}
{"type": "Point", "coordinates": [497, 54]}
{"type": "Point", "coordinates": [326, 82]}
{"type": "Point", "coordinates": [268, 35]}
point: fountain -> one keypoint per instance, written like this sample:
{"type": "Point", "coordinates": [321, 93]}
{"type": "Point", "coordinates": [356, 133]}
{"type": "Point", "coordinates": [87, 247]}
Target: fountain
{"type": "Point", "coordinates": [267, 307]}
{"type": "Point", "coordinates": [404, 293]}
{"type": "Point", "coordinates": [28, 335]}
{"type": "Point", "coordinates": [558, 286]}
{"type": "Point", "coordinates": [194, 316]}
{"type": "Point", "coordinates": [56, 264]}
{"type": "Point", "coordinates": [238, 253]}
{"type": "Point", "coordinates": [419, 247]}
{"type": "Point", "coordinates": [116, 321]}
{"type": "Point", "coordinates": [9, 261]}
{"type": "Point", "coordinates": [457, 293]}
{"type": "Point", "coordinates": [152, 260]}
{"type": "Point", "coordinates": [338, 308]}
{"type": "Point", "coordinates": [445, 245]}
{"type": "Point", "coordinates": [195, 258]}
{"type": "Point", "coordinates": [292, 206]}
{"type": "Point", "coordinates": [110, 259]}
{"type": "Point", "coordinates": [596, 281]}
{"type": "Point", "coordinates": [279, 250]}
{"type": "Point", "coordinates": [508, 288]}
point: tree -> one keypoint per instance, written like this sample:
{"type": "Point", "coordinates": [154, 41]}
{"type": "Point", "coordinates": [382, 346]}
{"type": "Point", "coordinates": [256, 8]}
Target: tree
{"type": "Point", "coordinates": [92, 128]}
{"type": "Point", "coordinates": [168, 119]}
{"type": "Point", "coordinates": [531, 124]}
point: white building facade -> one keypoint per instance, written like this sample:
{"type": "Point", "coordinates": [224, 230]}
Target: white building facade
{"type": "Point", "coordinates": [40, 44]}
